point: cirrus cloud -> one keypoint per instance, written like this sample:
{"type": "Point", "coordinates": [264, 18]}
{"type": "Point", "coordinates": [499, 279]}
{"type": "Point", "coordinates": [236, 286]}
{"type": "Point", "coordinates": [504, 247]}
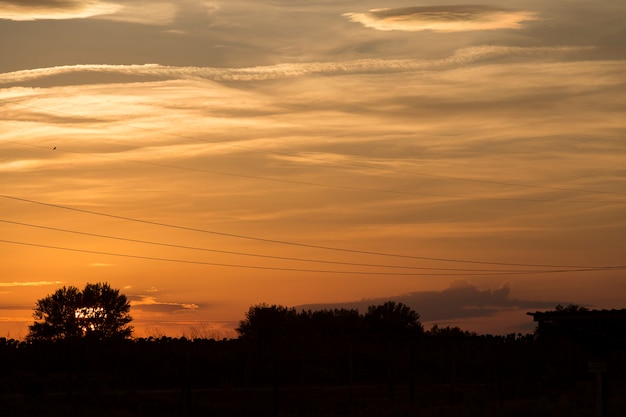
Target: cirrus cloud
{"type": "Point", "coordinates": [29, 283]}
{"type": "Point", "coordinates": [443, 18]}
{"type": "Point", "coordinates": [136, 11]}
{"type": "Point", "coordinates": [54, 9]}
{"type": "Point", "coordinates": [291, 70]}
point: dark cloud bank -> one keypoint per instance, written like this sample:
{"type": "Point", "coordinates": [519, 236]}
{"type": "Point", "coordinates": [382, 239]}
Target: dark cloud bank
{"type": "Point", "coordinates": [462, 300]}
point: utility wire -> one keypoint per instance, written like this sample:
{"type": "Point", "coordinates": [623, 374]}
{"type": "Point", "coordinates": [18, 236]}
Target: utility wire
{"type": "Point", "coordinates": [294, 269]}
{"type": "Point", "coordinates": [238, 265]}
{"type": "Point", "coordinates": [147, 242]}
{"type": "Point", "coordinates": [296, 244]}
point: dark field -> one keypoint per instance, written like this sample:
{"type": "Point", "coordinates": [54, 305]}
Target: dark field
{"type": "Point", "coordinates": [430, 400]}
{"type": "Point", "coordinates": [454, 374]}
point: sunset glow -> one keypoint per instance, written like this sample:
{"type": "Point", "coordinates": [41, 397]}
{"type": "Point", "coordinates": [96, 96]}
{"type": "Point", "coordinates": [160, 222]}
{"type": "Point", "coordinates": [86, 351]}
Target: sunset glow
{"type": "Point", "coordinates": [443, 19]}
{"type": "Point", "coordinates": [206, 156]}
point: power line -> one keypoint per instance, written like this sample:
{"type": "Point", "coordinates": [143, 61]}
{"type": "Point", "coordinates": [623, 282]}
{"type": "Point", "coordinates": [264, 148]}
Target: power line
{"type": "Point", "coordinates": [296, 244]}
{"type": "Point", "coordinates": [294, 269]}
{"type": "Point", "coordinates": [153, 258]}
{"type": "Point", "coordinates": [284, 258]}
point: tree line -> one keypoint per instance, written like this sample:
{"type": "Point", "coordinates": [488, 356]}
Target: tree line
{"type": "Point", "coordinates": [288, 362]}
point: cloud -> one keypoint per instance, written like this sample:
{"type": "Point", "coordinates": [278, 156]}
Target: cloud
{"type": "Point", "coordinates": [443, 18]}
{"type": "Point", "coordinates": [142, 12]}
{"type": "Point", "coordinates": [149, 303]}
{"type": "Point", "coordinates": [461, 300]}
{"type": "Point", "coordinates": [290, 70]}
{"type": "Point", "coordinates": [30, 283]}
{"type": "Point", "coordinates": [54, 9]}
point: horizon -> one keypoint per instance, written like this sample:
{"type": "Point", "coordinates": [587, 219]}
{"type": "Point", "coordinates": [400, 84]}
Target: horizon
{"type": "Point", "coordinates": [205, 156]}
{"type": "Point", "coordinates": [501, 316]}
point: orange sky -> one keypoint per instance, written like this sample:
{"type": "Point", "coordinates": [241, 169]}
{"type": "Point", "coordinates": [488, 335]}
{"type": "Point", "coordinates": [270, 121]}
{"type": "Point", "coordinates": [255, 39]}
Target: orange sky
{"type": "Point", "coordinates": [183, 151]}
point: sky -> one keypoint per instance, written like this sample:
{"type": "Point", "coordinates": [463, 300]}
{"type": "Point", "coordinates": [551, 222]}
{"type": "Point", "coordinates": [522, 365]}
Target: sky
{"type": "Point", "coordinates": [205, 156]}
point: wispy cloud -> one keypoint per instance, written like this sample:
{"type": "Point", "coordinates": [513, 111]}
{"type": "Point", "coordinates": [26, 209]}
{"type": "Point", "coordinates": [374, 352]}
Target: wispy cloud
{"type": "Point", "coordinates": [54, 9]}
{"type": "Point", "coordinates": [30, 283]}
{"type": "Point", "coordinates": [443, 18]}
{"type": "Point", "coordinates": [150, 303]}
{"type": "Point", "coordinates": [144, 12]}
{"type": "Point", "coordinates": [290, 70]}
{"type": "Point", "coordinates": [130, 11]}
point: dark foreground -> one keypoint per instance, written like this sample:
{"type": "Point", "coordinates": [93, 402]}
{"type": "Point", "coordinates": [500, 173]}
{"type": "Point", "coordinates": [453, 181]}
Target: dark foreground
{"type": "Point", "coordinates": [448, 373]}
{"type": "Point", "coordinates": [431, 400]}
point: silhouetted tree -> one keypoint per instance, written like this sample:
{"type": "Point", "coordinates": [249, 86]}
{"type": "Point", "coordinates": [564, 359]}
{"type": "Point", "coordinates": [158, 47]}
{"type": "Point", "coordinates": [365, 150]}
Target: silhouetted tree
{"type": "Point", "coordinates": [332, 323]}
{"type": "Point", "coordinates": [98, 312]}
{"type": "Point", "coordinates": [393, 318]}
{"type": "Point", "coordinates": [449, 332]}
{"type": "Point", "coordinates": [265, 323]}
{"type": "Point", "coordinates": [570, 308]}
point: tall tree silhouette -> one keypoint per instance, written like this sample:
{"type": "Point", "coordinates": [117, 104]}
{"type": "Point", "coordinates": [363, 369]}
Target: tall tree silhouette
{"type": "Point", "coordinates": [97, 312]}
{"type": "Point", "coordinates": [393, 319]}
{"type": "Point", "coordinates": [267, 324]}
